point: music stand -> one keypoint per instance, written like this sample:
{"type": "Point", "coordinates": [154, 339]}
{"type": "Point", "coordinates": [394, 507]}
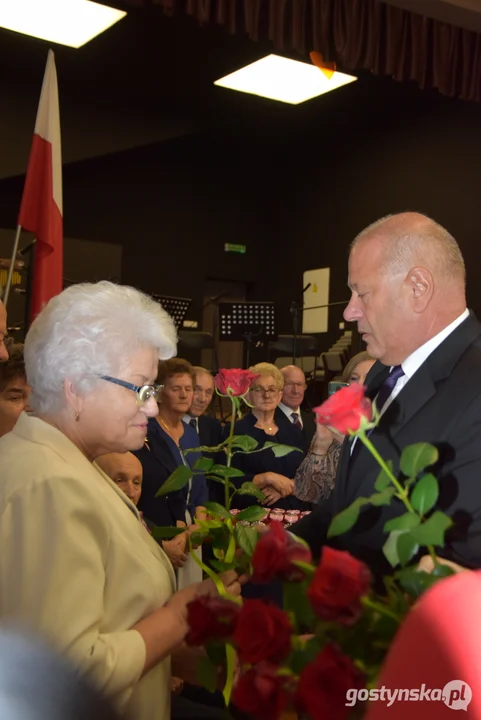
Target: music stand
{"type": "Point", "coordinates": [176, 307]}
{"type": "Point", "coordinates": [247, 321]}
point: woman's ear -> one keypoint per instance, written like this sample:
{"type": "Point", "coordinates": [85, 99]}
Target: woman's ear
{"type": "Point", "coordinates": [74, 400]}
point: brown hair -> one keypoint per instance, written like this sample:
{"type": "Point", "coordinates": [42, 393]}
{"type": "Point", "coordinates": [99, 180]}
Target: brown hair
{"type": "Point", "coordinates": [175, 366]}
{"type": "Point", "coordinates": [12, 368]}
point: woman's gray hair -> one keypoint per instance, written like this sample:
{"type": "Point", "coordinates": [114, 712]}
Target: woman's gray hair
{"type": "Point", "coordinates": [88, 330]}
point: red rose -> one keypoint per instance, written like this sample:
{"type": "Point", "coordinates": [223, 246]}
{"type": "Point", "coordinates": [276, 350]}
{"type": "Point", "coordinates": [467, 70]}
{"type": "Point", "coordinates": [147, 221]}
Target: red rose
{"type": "Point", "coordinates": [210, 617]}
{"type": "Point", "coordinates": [344, 410]}
{"type": "Point", "coordinates": [234, 382]}
{"type": "Point", "coordinates": [263, 632]}
{"type": "Point", "coordinates": [338, 584]}
{"type": "Point", "coordinates": [261, 693]}
{"type": "Point", "coordinates": [324, 683]}
{"type": "Point", "coordinates": [274, 556]}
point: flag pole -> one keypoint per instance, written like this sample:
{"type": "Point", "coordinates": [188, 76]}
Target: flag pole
{"type": "Point", "coordinates": [12, 266]}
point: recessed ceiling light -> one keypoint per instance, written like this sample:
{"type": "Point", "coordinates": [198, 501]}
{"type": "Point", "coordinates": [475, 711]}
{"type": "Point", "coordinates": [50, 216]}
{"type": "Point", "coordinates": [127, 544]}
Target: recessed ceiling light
{"type": "Point", "coordinates": [280, 78]}
{"type": "Point", "coordinates": [67, 22]}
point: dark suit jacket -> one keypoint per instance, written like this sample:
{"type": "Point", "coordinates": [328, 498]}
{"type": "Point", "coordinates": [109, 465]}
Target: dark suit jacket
{"type": "Point", "coordinates": [441, 405]}
{"type": "Point", "coordinates": [308, 425]}
{"type": "Point", "coordinates": [210, 430]}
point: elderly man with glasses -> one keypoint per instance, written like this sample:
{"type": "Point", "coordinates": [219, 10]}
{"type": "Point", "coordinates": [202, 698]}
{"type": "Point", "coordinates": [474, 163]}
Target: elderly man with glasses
{"type": "Point", "coordinates": [289, 409]}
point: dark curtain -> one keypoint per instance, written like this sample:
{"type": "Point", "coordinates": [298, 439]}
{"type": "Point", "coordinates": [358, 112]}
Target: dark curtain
{"type": "Point", "coordinates": [356, 34]}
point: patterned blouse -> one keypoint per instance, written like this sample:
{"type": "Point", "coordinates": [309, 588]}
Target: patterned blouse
{"type": "Point", "coordinates": [314, 479]}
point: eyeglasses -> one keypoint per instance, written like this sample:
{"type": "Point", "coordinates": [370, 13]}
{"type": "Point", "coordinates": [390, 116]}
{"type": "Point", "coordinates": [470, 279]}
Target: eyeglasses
{"type": "Point", "coordinates": [143, 392]}
{"type": "Point", "coordinates": [265, 391]}
{"type": "Point", "coordinates": [300, 385]}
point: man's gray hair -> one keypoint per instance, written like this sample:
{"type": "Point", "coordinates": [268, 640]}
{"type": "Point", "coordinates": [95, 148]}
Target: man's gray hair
{"type": "Point", "coordinates": [88, 330]}
{"type": "Point", "coordinates": [416, 239]}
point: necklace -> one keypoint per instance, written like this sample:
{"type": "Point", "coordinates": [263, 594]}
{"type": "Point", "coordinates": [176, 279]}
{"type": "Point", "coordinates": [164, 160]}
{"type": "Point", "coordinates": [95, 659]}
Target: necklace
{"type": "Point", "coordinates": [267, 427]}
{"type": "Point", "coordinates": [175, 434]}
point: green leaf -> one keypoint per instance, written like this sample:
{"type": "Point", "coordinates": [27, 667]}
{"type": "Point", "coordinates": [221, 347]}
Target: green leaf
{"type": "Point", "coordinates": [296, 602]}
{"type": "Point", "coordinates": [229, 556]}
{"type": "Point", "coordinates": [280, 450]}
{"type": "Point", "coordinates": [407, 547]}
{"type": "Point", "coordinates": [203, 464]}
{"type": "Point", "coordinates": [390, 548]}
{"type": "Point", "coordinates": [249, 488]}
{"type": "Point", "coordinates": [225, 471]}
{"type": "Point", "coordinates": [246, 538]}
{"type": "Point", "coordinates": [217, 510]}
{"type": "Point", "coordinates": [431, 532]}
{"type": "Point", "coordinates": [179, 479]}
{"type": "Point", "coordinates": [207, 674]}
{"type": "Point", "coordinates": [244, 442]}
{"type": "Point", "coordinates": [382, 498]}
{"type": "Point", "coordinates": [198, 537]}
{"type": "Point", "coordinates": [251, 514]}
{"type": "Point", "coordinates": [305, 655]}
{"type": "Point", "coordinates": [345, 520]}
{"type": "Point", "coordinates": [222, 565]}
{"type": "Point", "coordinates": [166, 533]}
{"type": "Point", "coordinates": [417, 457]}
{"type": "Point", "coordinates": [415, 582]}
{"type": "Point", "coordinates": [425, 494]}
{"type": "Point", "coordinates": [404, 522]}
{"type": "Point", "coordinates": [222, 481]}
{"type": "Point", "coordinates": [383, 481]}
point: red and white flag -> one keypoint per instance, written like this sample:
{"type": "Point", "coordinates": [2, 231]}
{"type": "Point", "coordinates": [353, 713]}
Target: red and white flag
{"type": "Point", "coordinates": [41, 208]}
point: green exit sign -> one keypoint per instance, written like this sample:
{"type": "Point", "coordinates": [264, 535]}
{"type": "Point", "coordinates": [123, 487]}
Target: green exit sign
{"type": "Point", "coordinates": [231, 247]}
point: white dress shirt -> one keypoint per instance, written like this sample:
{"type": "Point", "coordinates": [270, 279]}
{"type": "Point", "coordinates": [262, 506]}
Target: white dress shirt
{"type": "Point", "coordinates": [288, 413]}
{"type": "Point", "coordinates": [416, 359]}
{"type": "Point", "coordinates": [187, 418]}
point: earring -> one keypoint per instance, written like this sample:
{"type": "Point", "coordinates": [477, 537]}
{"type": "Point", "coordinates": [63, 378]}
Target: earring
{"type": "Point", "coordinates": [77, 416]}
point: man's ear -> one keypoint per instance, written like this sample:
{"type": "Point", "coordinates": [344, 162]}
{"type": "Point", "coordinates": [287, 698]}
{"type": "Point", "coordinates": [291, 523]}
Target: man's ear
{"type": "Point", "coordinates": [421, 288]}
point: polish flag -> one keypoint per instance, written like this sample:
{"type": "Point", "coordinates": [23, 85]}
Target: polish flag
{"type": "Point", "coordinates": [41, 208]}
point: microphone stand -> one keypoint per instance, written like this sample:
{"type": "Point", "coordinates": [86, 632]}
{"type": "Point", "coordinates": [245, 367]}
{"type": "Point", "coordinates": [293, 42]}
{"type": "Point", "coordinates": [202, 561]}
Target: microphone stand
{"type": "Point", "coordinates": [294, 310]}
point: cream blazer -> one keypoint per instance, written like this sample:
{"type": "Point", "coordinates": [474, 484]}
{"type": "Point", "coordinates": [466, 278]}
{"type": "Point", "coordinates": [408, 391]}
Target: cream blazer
{"type": "Point", "coordinates": [78, 566]}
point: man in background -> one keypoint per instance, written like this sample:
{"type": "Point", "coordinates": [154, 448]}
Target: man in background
{"type": "Point", "coordinates": [208, 428]}
{"type": "Point", "coordinates": [289, 409]}
{"type": "Point", "coordinates": [14, 389]}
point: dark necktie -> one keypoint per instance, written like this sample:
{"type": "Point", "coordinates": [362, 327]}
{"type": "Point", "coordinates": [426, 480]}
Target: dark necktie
{"type": "Point", "coordinates": [384, 393]}
{"type": "Point", "coordinates": [295, 420]}
{"type": "Point", "coordinates": [388, 386]}
{"type": "Point", "coordinates": [193, 423]}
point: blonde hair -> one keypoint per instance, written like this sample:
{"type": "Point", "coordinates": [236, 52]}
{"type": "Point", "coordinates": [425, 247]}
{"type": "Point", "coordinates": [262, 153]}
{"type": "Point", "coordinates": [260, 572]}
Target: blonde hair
{"type": "Point", "coordinates": [264, 368]}
{"type": "Point", "coordinates": [354, 362]}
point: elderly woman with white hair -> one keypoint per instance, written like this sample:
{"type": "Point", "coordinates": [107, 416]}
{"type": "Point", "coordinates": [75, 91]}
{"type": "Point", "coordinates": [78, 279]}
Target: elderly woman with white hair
{"type": "Point", "coordinates": [77, 565]}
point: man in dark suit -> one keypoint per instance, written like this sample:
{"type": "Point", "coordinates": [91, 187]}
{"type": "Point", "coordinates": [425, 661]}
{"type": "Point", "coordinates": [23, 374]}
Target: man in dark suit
{"type": "Point", "coordinates": [407, 278]}
{"type": "Point", "coordinates": [289, 409]}
{"type": "Point", "coordinates": [208, 428]}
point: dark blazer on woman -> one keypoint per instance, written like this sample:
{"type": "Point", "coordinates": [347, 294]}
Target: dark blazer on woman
{"type": "Point", "coordinates": [160, 457]}
{"type": "Point", "coordinates": [253, 464]}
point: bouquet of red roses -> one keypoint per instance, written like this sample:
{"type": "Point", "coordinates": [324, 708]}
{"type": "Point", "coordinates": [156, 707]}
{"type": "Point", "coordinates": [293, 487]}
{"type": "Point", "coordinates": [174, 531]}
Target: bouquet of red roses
{"type": "Point", "coordinates": [334, 630]}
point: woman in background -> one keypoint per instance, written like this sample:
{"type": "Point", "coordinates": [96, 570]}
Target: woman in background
{"type": "Point", "coordinates": [168, 437]}
{"type": "Point", "coordinates": [272, 475]}
{"type": "Point", "coordinates": [315, 477]}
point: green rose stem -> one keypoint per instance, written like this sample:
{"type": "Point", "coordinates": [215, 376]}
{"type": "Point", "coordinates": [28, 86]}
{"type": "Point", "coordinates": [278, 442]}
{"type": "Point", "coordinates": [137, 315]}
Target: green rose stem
{"type": "Point", "coordinates": [402, 493]}
{"type": "Point", "coordinates": [229, 448]}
